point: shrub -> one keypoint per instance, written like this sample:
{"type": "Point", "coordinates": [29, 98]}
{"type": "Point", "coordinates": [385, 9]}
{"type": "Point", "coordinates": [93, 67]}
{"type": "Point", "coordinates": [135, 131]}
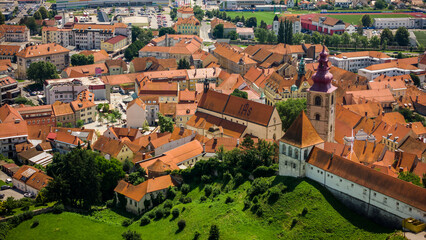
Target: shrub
{"type": "Point", "coordinates": [227, 177]}
{"type": "Point", "coordinates": [110, 203]}
{"type": "Point", "coordinates": [26, 208]}
{"type": "Point", "coordinates": [131, 235]}
{"type": "Point", "coordinates": [208, 190]}
{"type": "Point", "coordinates": [175, 212]}
{"type": "Point", "coordinates": [27, 215]}
{"type": "Point", "coordinates": [239, 179]}
{"type": "Point", "coordinates": [205, 179]}
{"type": "Point", "coordinates": [196, 235]}
{"type": "Point", "coordinates": [259, 212]}
{"type": "Point", "coordinates": [181, 224]}
{"type": "Point", "coordinates": [127, 222]}
{"type": "Point", "coordinates": [35, 223]}
{"type": "Point", "coordinates": [247, 204]}
{"type": "Point", "coordinates": [168, 204]}
{"type": "Point", "coordinates": [185, 189]}
{"type": "Point", "coordinates": [259, 186]}
{"type": "Point", "coordinates": [171, 193]}
{"type": "Point", "coordinates": [264, 171]}
{"type": "Point", "coordinates": [145, 221]}
{"type": "Point", "coordinates": [151, 215]}
{"type": "Point", "coordinates": [203, 198]}
{"type": "Point", "coordinates": [216, 192]}
{"type": "Point", "coordinates": [274, 195]}
{"type": "Point", "coordinates": [255, 199]}
{"type": "Point", "coordinates": [255, 207]}
{"type": "Point", "coordinates": [304, 211]}
{"type": "Point", "coordinates": [58, 208]}
{"type": "Point", "coordinates": [229, 200]}
{"type": "Point", "coordinates": [293, 223]}
{"type": "Point", "coordinates": [159, 213]}
{"type": "Point", "coordinates": [166, 212]}
{"type": "Point", "coordinates": [185, 200]}
{"type": "Point", "coordinates": [214, 232]}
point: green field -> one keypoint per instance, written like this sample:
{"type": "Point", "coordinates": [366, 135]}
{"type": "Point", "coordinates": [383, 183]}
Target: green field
{"type": "Point", "coordinates": [355, 19]}
{"type": "Point", "coordinates": [421, 37]}
{"type": "Point", "coordinates": [268, 17]}
{"type": "Point", "coordinates": [325, 218]}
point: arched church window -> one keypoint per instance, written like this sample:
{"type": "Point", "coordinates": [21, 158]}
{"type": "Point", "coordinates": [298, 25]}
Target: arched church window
{"type": "Point", "coordinates": [332, 99]}
{"type": "Point", "coordinates": [290, 151]}
{"type": "Point", "coordinates": [318, 101]}
{"type": "Point", "coordinates": [331, 128]}
{"type": "Point", "coordinates": [305, 154]}
{"type": "Point", "coordinates": [296, 153]}
{"type": "Point", "coordinates": [317, 117]}
{"type": "Point", "coordinates": [284, 150]}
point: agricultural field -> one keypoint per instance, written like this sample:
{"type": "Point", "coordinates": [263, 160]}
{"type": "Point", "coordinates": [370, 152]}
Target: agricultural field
{"type": "Point", "coordinates": [421, 37]}
{"type": "Point", "coordinates": [299, 209]}
{"type": "Point", "coordinates": [355, 18]}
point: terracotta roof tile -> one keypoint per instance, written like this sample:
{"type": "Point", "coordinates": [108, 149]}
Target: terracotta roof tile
{"type": "Point", "coordinates": [32, 176]}
{"type": "Point", "coordinates": [301, 133]}
{"type": "Point", "coordinates": [41, 50]}
{"type": "Point", "coordinates": [369, 178]}
{"type": "Point", "coordinates": [151, 185]}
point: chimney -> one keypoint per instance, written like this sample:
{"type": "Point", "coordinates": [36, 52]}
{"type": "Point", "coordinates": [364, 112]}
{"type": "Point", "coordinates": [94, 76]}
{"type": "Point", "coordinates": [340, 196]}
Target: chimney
{"type": "Point", "coordinates": [238, 142]}
{"type": "Point", "coordinates": [365, 114]}
{"type": "Point", "coordinates": [204, 147]}
{"type": "Point", "coordinates": [149, 138]}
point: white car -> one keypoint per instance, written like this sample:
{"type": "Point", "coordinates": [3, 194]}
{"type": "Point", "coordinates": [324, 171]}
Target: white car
{"type": "Point", "coordinates": [9, 180]}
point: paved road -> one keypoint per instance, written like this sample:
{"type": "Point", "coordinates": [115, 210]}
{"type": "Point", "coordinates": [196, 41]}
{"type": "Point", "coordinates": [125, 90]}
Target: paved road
{"type": "Point", "coordinates": [205, 31]}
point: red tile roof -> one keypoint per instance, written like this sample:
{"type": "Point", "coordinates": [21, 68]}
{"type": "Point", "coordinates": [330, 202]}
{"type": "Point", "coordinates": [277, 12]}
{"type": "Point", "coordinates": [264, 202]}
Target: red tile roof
{"type": "Point", "coordinates": [41, 50]}
{"type": "Point", "coordinates": [115, 39]}
{"type": "Point", "coordinates": [301, 133]}
{"type": "Point", "coordinates": [365, 176]}
{"type": "Point", "coordinates": [151, 185]}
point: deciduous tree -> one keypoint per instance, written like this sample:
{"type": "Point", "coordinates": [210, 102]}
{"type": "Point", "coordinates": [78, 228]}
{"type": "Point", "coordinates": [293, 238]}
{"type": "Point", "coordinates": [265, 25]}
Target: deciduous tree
{"type": "Point", "coordinates": [40, 71]}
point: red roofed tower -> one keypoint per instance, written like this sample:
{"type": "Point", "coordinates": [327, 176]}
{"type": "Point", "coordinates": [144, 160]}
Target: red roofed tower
{"type": "Point", "coordinates": [321, 100]}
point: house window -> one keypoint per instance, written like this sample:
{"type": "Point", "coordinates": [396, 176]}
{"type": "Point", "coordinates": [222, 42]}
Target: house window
{"type": "Point", "coordinates": [305, 154]}
{"type": "Point", "coordinates": [296, 153]}
{"type": "Point", "coordinates": [283, 149]}
{"type": "Point", "coordinates": [385, 200]}
{"type": "Point", "coordinates": [290, 151]}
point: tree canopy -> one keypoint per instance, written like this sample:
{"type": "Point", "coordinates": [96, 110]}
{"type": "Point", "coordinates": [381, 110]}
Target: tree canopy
{"type": "Point", "coordinates": [289, 110]}
{"type": "Point", "coordinates": [218, 31]}
{"type": "Point", "coordinates": [82, 178]}
{"type": "Point", "coordinates": [402, 36]}
{"type": "Point", "coordinates": [366, 20]}
{"type": "Point", "coordinates": [183, 64]}
{"type": "Point", "coordinates": [165, 123]}
{"type": "Point", "coordinates": [40, 71]}
{"type": "Point", "coordinates": [166, 30]}
{"type": "Point", "coordinates": [80, 59]}
{"type": "Point", "coordinates": [386, 35]}
{"type": "Point", "coordinates": [239, 93]}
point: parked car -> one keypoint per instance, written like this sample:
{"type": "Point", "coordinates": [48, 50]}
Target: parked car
{"type": "Point", "coordinates": [1, 195]}
{"type": "Point", "coordinates": [4, 187]}
{"type": "Point", "coordinates": [9, 180]}
{"type": "Point", "coordinates": [28, 195]}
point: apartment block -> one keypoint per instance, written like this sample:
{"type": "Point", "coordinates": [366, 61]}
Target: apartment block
{"type": "Point", "coordinates": [51, 52]}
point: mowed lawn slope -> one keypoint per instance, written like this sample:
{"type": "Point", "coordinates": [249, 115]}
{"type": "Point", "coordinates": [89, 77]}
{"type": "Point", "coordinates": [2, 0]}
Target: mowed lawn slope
{"type": "Point", "coordinates": [326, 218]}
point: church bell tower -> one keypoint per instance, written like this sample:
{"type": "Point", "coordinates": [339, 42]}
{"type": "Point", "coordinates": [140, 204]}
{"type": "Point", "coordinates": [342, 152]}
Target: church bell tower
{"type": "Point", "coordinates": [322, 99]}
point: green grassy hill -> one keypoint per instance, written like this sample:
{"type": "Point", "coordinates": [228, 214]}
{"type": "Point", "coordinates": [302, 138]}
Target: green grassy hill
{"type": "Point", "coordinates": [325, 218]}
